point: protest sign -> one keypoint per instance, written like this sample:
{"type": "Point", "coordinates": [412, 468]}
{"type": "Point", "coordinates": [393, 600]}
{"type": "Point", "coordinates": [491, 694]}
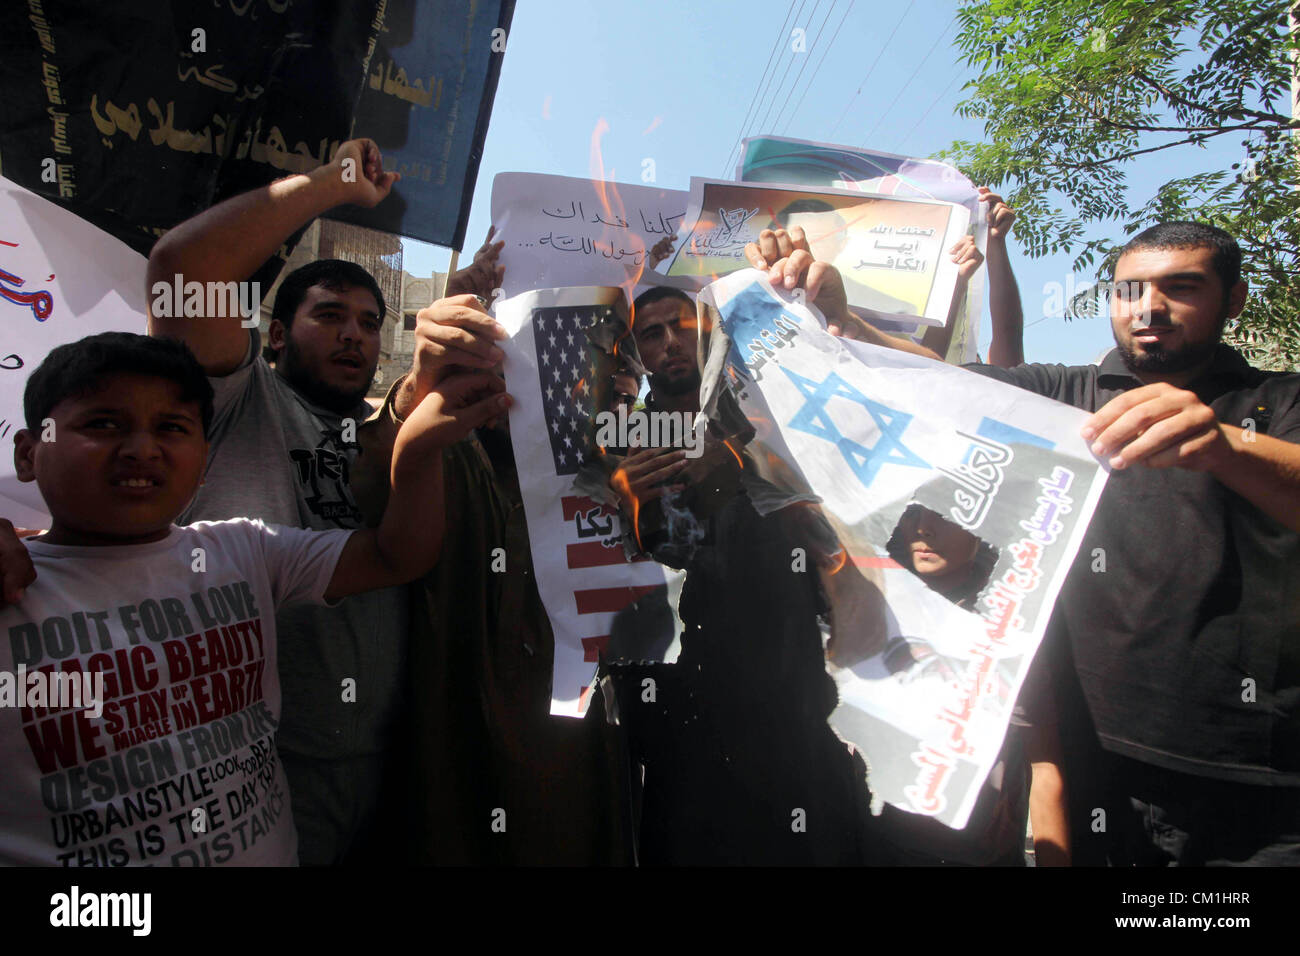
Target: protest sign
{"type": "Point", "coordinates": [772, 159]}
{"type": "Point", "coordinates": [884, 437]}
{"type": "Point", "coordinates": [561, 231]}
{"type": "Point", "coordinates": [563, 349]}
{"type": "Point", "coordinates": [137, 121]}
{"type": "Point", "coordinates": [60, 279]}
{"type": "Point", "coordinates": [892, 252]}
{"type": "Point", "coordinates": [426, 101]}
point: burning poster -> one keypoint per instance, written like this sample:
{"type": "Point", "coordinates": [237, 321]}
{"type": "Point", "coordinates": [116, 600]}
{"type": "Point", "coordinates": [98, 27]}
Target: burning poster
{"type": "Point", "coordinates": [573, 374]}
{"type": "Point", "coordinates": [890, 442]}
{"type": "Point", "coordinates": [891, 251]}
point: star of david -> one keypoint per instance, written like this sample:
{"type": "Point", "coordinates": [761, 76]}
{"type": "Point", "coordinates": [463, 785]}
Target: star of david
{"type": "Point", "coordinates": [813, 419]}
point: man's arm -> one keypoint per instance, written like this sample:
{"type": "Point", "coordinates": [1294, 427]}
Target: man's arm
{"type": "Point", "coordinates": [230, 241]}
{"type": "Point", "coordinates": [968, 258]}
{"type": "Point", "coordinates": [1006, 314]}
{"type": "Point", "coordinates": [1161, 426]}
{"type": "Point", "coordinates": [409, 537]}
{"type": "Point", "coordinates": [16, 569]}
{"type": "Point", "coordinates": [1048, 811]}
{"type": "Point", "coordinates": [1266, 472]}
{"type": "Point", "coordinates": [456, 332]}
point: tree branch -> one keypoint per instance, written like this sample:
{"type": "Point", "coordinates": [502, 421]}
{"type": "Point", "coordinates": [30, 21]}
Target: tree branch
{"type": "Point", "coordinates": [1275, 119]}
{"type": "Point", "coordinates": [1093, 164]}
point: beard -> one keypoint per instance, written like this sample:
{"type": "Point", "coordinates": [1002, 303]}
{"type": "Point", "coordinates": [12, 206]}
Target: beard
{"type": "Point", "coordinates": [683, 384]}
{"type": "Point", "coordinates": [309, 385]}
{"type": "Point", "coordinates": [1162, 361]}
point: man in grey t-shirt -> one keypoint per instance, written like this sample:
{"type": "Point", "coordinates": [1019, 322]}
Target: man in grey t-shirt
{"type": "Point", "coordinates": [285, 441]}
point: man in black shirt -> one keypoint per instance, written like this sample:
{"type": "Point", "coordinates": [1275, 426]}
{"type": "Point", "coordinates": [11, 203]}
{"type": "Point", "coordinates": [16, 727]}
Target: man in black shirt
{"type": "Point", "coordinates": [1177, 634]}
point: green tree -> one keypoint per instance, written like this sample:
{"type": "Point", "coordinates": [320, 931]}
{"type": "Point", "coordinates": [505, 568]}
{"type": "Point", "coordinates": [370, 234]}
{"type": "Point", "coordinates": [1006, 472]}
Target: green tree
{"type": "Point", "coordinates": [1074, 92]}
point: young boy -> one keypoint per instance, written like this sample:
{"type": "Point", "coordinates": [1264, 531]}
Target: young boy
{"type": "Point", "coordinates": [156, 742]}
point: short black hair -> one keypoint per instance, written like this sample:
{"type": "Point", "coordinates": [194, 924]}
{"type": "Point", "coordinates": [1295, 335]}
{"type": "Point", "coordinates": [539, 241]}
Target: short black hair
{"type": "Point", "coordinates": [335, 274]}
{"type": "Point", "coordinates": [804, 205]}
{"type": "Point", "coordinates": [80, 368]}
{"type": "Point", "coordinates": [1184, 234]}
{"type": "Point", "coordinates": [981, 567]}
{"type": "Point", "coordinates": [658, 294]}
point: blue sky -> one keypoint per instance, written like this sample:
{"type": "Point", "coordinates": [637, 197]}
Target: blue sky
{"type": "Point", "coordinates": [673, 80]}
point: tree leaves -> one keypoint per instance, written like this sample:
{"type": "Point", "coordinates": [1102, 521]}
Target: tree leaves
{"type": "Point", "coordinates": [1073, 93]}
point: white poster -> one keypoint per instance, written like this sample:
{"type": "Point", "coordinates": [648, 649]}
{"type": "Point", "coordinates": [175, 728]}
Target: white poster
{"type": "Point", "coordinates": [60, 279]}
{"type": "Point", "coordinates": [560, 231]}
{"type": "Point", "coordinates": [906, 453]}
{"type": "Point", "coordinates": [559, 360]}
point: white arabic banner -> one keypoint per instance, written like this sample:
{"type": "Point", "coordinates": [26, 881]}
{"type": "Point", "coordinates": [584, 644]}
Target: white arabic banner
{"type": "Point", "coordinates": [884, 437]}
{"type": "Point", "coordinates": [60, 279]}
{"type": "Point", "coordinates": [560, 231]}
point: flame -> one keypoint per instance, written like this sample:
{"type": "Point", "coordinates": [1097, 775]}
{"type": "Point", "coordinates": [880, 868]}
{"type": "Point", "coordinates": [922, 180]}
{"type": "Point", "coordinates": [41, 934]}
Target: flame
{"type": "Point", "coordinates": [612, 203]}
{"type": "Point", "coordinates": [621, 484]}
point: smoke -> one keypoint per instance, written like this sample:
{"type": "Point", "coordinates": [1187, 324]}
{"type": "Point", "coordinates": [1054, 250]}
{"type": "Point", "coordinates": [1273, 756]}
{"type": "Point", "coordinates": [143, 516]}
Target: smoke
{"type": "Point", "coordinates": [684, 532]}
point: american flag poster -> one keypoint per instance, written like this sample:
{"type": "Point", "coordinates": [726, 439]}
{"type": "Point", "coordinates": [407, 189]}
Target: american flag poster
{"type": "Point", "coordinates": [557, 361]}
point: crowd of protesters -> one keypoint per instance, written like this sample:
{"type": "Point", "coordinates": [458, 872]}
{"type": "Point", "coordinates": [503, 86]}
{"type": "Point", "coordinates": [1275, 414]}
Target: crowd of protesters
{"type": "Point", "coordinates": [409, 684]}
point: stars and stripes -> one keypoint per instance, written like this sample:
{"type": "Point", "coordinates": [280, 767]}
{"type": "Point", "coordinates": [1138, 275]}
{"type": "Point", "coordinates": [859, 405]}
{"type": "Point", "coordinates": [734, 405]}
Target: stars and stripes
{"type": "Point", "coordinates": [566, 370]}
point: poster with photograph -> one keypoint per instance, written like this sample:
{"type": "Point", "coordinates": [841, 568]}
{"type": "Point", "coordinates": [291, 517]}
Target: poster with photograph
{"type": "Point", "coordinates": [892, 252]}
{"type": "Point", "coordinates": [777, 159]}
{"type": "Point", "coordinates": [959, 503]}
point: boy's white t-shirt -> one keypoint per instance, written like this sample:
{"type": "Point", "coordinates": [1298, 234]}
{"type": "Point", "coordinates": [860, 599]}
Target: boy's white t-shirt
{"type": "Point", "coordinates": [180, 767]}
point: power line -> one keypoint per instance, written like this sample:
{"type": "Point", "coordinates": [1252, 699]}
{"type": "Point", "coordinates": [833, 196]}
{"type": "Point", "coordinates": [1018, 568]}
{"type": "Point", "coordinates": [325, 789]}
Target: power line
{"type": "Point", "coordinates": [908, 82]}
{"type": "Point", "coordinates": [872, 68]}
{"type": "Point", "coordinates": [903, 141]}
{"type": "Point", "coordinates": [765, 75]}
{"type": "Point", "coordinates": [789, 63]}
{"type": "Point", "coordinates": [839, 27]}
{"type": "Point", "coordinates": [799, 76]}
